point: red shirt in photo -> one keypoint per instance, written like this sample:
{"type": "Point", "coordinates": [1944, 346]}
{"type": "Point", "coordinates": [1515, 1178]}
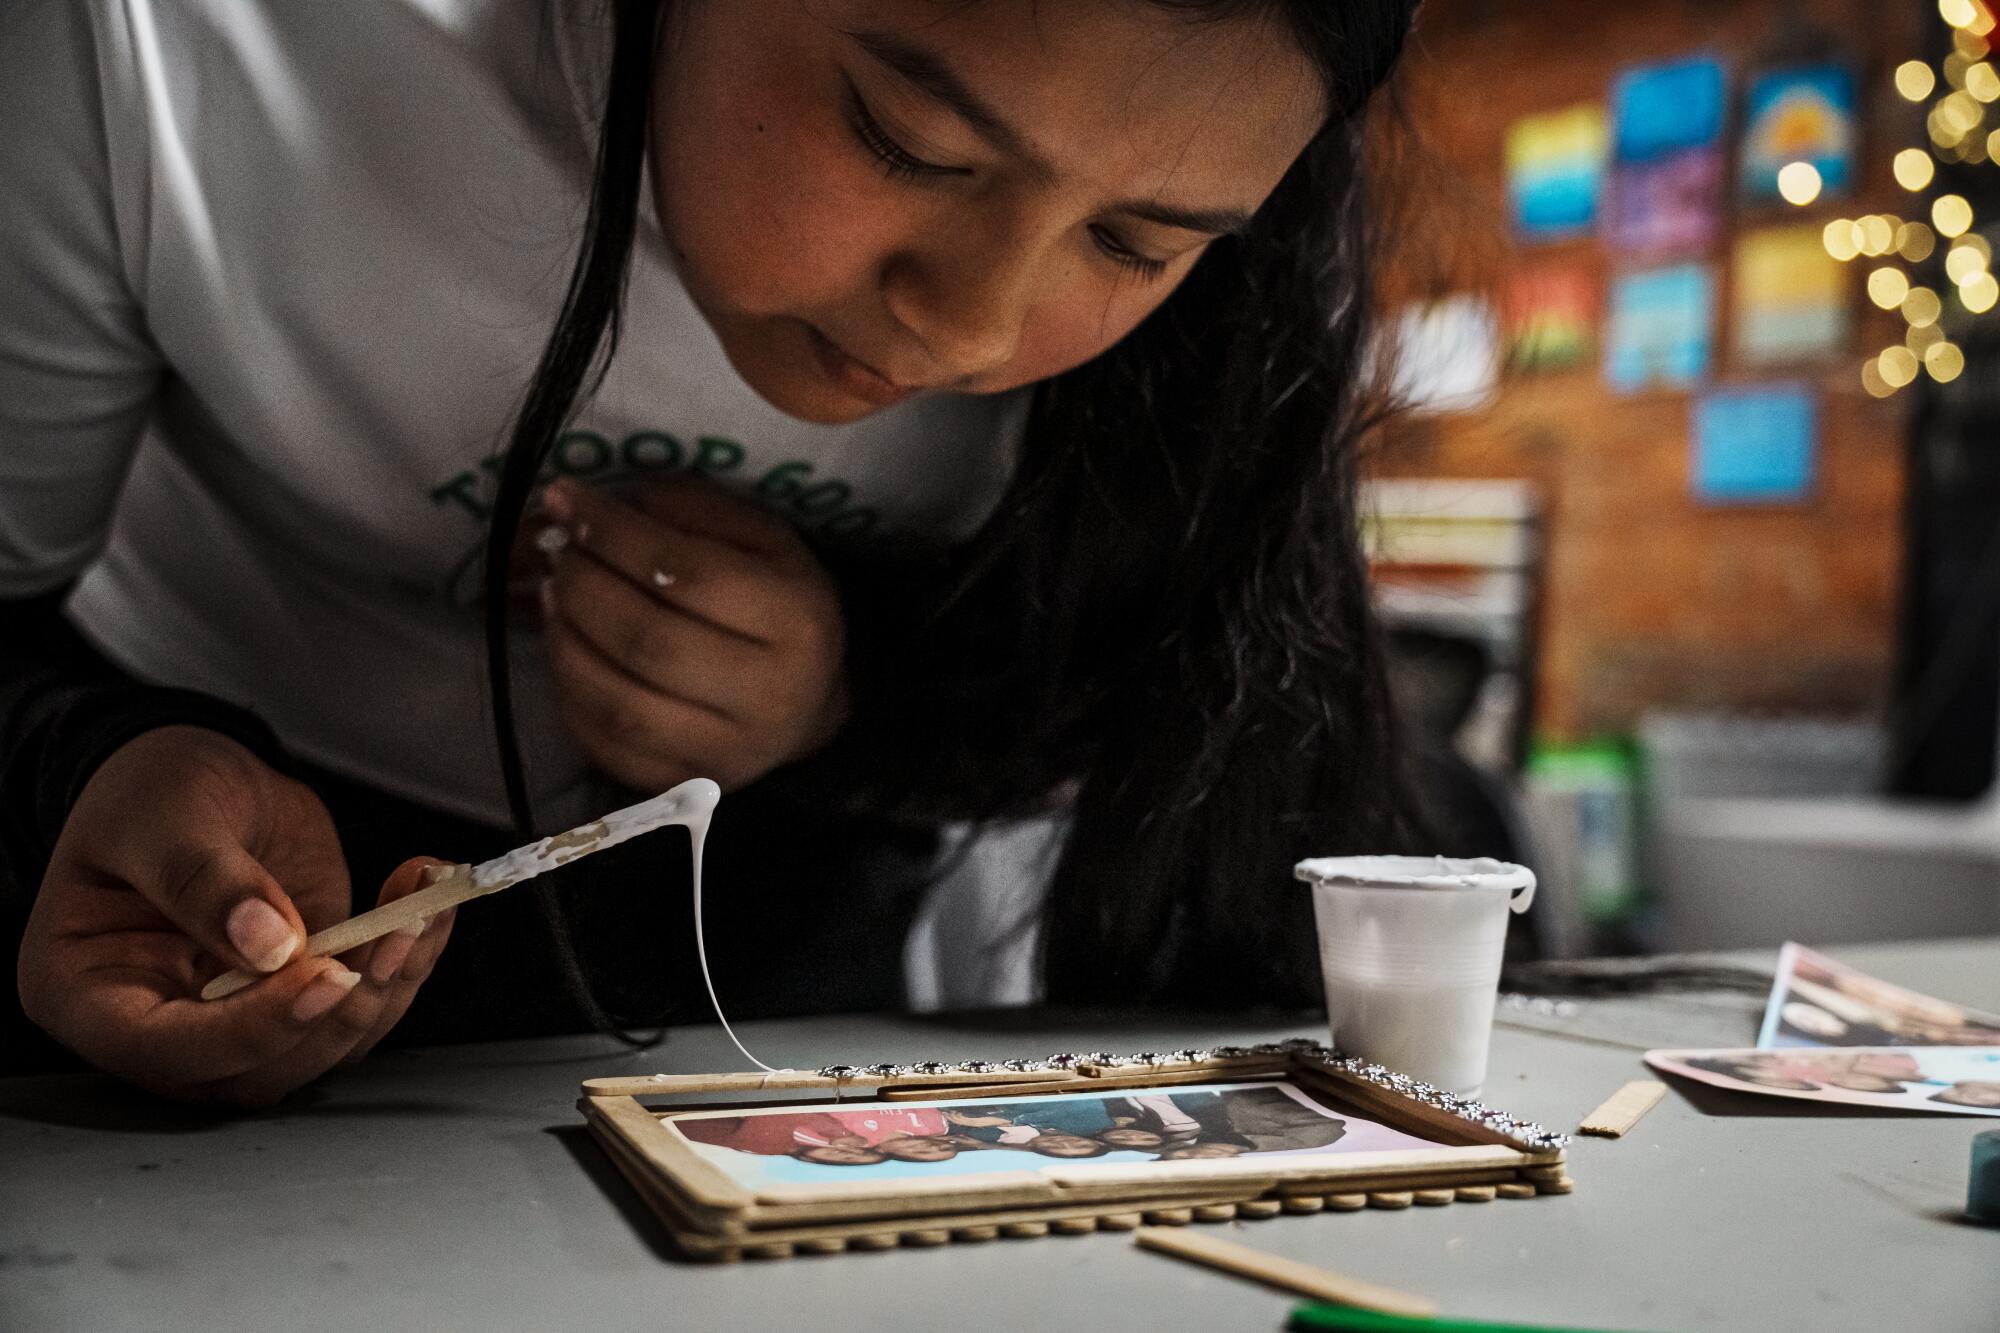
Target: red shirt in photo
{"type": "Point", "coordinates": [770, 1135]}
{"type": "Point", "coordinates": [877, 1123]}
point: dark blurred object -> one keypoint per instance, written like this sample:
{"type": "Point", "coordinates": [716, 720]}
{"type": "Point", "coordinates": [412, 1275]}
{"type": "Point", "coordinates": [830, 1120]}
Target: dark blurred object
{"type": "Point", "coordinates": [1460, 562]}
{"type": "Point", "coordinates": [1456, 569]}
{"type": "Point", "coordinates": [1947, 710]}
{"type": "Point", "coordinates": [1946, 713]}
{"type": "Point", "coordinates": [1436, 680]}
{"type": "Point", "coordinates": [1602, 977]}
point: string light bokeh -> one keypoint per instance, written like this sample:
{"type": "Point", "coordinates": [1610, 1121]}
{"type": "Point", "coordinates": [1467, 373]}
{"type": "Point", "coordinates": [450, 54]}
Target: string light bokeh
{"type": "Point", "coordinates": [1965, 85]}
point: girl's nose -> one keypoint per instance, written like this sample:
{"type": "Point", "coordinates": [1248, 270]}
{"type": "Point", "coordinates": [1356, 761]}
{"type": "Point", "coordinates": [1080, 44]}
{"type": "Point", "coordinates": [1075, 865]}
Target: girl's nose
{"type": "Point", "coordinates": [964, 297]}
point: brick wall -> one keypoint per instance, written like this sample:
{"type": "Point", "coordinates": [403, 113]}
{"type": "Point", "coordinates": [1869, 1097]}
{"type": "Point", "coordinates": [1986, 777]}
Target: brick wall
{"type": "Point", "coordinates": [1652, 598]}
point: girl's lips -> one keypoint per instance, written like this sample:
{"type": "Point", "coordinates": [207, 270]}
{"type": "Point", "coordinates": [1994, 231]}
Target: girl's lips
{"type": "Point", "coordinates": [856, 377]}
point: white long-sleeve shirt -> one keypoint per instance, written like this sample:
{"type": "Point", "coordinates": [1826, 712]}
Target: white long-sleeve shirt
{"type": "Point", "coordinates": [274, 275]}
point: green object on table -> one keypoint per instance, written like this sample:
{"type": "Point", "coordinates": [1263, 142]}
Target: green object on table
{"type": "Point", "coordinates": [1322, 1318]}
{"type": "Point", "coordinates": [1982, 1189]}
{"type": "Point", "coordinates": [1591, 793]}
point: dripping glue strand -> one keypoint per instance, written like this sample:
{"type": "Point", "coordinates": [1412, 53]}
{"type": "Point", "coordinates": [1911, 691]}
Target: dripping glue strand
{"type": "Point", "coordinates": [691, 805]}
{"type": "Point", "coordinates": [699, 834]}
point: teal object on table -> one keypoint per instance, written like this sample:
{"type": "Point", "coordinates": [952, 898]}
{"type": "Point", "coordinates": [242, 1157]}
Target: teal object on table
{"type": "Point", "coordinates": [1322, 1318]}
{"type": "Point", "coordinates": [1982, 1189]}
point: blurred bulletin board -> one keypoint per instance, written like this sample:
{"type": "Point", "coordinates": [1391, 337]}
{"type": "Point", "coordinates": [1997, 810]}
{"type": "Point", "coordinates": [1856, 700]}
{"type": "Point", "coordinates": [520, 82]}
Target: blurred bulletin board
{"type": "Point", "coordinates": [1653, 598]}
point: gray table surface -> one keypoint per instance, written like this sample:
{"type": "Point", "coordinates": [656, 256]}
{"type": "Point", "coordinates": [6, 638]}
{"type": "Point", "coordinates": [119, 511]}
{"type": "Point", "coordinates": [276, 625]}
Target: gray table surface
{"type": "Point", "coordinates": [454, 1188]}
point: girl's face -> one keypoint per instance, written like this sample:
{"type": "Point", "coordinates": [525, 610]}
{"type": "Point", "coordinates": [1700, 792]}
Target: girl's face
{"type": "Point", "coordinates": [1198, 1150]}
{"type": "Point", "coordinates": [1130, 1137]}
{"type": "Point", "coordinates": [872, 198]}
{"type": "Point", "coordinates": [918, 1149]}
{"type": "Point", "coordinates": [1066, 1145]}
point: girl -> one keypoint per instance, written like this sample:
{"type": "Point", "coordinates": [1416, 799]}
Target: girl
{"type": "Point", "coordinates": [949, 415]}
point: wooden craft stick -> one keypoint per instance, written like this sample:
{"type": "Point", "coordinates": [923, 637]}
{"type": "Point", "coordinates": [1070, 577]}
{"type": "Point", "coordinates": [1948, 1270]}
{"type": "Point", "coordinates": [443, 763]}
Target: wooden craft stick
{"type": "Point", "coordinates": [690, 803]}
{"type": "Point", "coordinates": [1623, 1108]}
{"type": "Point", "coordinates": [451, 885]}
{"type": "Point", "coordinates": [1285, 1274]}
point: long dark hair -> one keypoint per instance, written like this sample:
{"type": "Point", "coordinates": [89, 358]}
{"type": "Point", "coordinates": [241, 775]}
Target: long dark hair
{"type": "Point", "coordinates": [1164, 628]}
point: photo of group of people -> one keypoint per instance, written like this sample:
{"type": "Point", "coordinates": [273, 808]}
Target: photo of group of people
{"type": "Point", "coordinates": [1816, 1001]}
{"type": "Point", "coordinates": [1833, 1033]}
{"type": "Point", "coordinates": [897, 1140]}
{"type": "Point", "coordinates": [1962, 1079]}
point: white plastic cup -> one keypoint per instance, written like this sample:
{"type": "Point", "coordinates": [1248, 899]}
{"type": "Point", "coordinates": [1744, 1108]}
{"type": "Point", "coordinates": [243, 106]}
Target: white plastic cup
{"type": "Point", "coordinates": [1410, 949]}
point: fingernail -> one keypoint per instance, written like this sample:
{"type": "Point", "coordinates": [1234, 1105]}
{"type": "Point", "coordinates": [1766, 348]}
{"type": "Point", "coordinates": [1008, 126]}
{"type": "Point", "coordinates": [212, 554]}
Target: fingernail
{"type": "Point", "coordinates": [558, 503]}
{"type": "Point", "coordinates": [264, 938]}
{"type": "Point", "coordinates": [392, 951]}
{"type": "Point", "coordinates": [551, 541]}
{"type": "Point", "coordinates": [327, 989]}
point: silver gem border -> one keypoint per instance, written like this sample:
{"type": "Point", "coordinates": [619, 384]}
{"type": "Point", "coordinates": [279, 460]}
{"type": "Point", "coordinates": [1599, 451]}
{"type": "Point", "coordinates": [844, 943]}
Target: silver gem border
{"type": "Point", "coordinates": [1527, 1133]}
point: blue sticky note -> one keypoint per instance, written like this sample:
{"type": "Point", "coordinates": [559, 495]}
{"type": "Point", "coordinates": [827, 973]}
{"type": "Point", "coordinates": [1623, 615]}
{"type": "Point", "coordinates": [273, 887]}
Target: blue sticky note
{"type": "Point", "coordinates": [1658, 110]}
{"type": "Point", "coordinates": [1755, 446]}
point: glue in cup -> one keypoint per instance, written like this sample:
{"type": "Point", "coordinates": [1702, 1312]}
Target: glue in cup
{"type": "Point", "coordinates": [1410, 949]}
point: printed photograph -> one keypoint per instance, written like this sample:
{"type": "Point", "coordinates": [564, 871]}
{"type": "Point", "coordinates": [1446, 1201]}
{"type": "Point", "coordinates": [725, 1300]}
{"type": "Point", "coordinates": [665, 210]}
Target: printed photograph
{"type": "Point", "coordinates": [1959, 1080]}
{"type": "Point", "coordinates": [885, 1141]}
{"type": "Point", "coordinates": [1816, 1002]}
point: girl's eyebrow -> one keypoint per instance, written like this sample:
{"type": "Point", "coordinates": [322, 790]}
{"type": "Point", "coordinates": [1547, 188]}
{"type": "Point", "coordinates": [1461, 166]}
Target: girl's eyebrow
{"type": "Point", "coordinates": [1215, 221]}
{"type": "Point", "coordinates": [927, 71]}
{"type": "Point", "coordinates": [929, 74]}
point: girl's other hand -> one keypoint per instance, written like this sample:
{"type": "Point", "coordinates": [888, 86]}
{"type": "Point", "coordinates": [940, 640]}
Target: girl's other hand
{"type": "Point", "coordinates": [183, 857]}
{"type": "Point", "coordinates": [691, 635]}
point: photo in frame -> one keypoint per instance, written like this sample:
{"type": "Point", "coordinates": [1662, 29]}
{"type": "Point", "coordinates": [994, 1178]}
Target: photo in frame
{"type": "Point", "coordinates": [934, 1140]}
{"type": "Point", "coordinates": [864, 1158]}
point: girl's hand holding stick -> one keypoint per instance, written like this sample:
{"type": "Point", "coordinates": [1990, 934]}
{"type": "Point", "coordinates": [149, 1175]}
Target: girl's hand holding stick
{"type": "Point", "coordinates": [184, 848]}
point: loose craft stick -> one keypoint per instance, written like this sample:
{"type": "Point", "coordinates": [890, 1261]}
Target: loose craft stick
{"type": "Point", "coordinates": [690, 803]}
{"type": "Point", "coordinates": [1286, 1274]}
{"type": "Point", "coordinates": [1623, 1108]}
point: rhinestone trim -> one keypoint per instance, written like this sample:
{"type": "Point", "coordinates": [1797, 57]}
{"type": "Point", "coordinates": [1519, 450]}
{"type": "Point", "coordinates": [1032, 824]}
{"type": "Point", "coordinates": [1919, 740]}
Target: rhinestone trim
{"type": "Point", "coordinates": [1524, 1132]}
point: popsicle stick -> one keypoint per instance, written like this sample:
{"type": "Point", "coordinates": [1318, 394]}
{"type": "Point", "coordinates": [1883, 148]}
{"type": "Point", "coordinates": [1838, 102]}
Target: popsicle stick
{"type": "Point", "coordinates": [1623, 1108]}
{"type": "Point", "coordinates": [1285, 1274]}
{"type": "Point", "coordinates": [451, 886]}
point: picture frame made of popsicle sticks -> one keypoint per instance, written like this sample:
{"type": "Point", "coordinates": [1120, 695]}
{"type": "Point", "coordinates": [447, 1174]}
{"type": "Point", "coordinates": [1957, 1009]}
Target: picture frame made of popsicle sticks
{"type": "Point", "coordinates": [767, 1177]}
